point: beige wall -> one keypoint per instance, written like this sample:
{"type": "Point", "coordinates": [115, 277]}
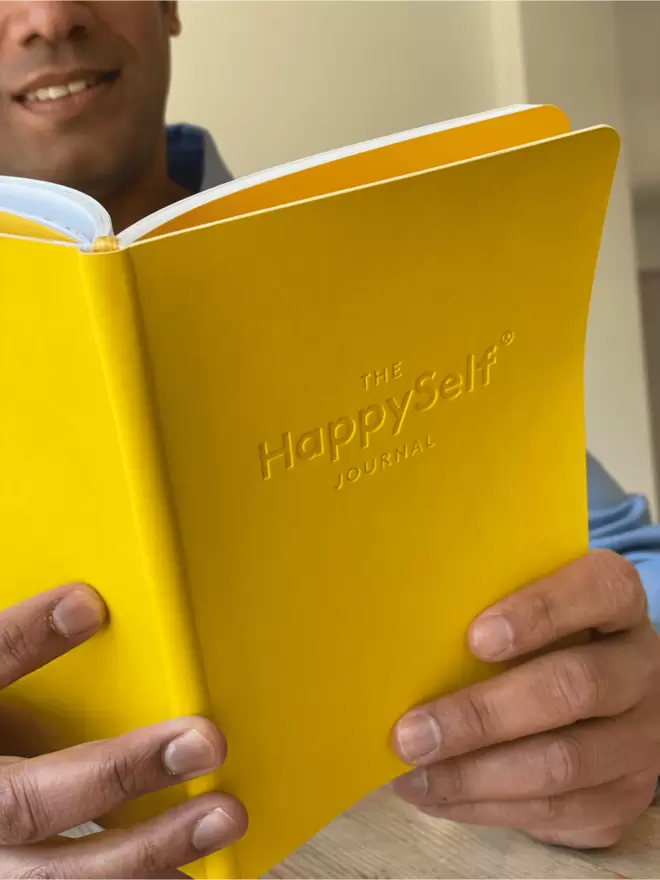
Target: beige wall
{"type": "Point", "coordinates": [572, 58]}
{"type": "Point", "coordinates": [276, 80]}
{"type": "Point", "coordinates": [639, 27]}
{"type": "Point", "coordinates": [647, 223]}
{"type": "Point", "coordinates": [279, 80]}
{"type": "Point", "coordinates": [650, 290]}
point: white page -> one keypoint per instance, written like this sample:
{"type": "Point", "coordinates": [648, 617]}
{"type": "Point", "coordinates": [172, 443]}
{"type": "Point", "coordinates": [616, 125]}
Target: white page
{"type": "Point", "coordinates": [57, 207]}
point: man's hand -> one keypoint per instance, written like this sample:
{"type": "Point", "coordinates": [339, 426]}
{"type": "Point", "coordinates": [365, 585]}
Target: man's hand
{"type": "Point", "coordinates": [565, 746]}
{"type": "Point", "coordinates": [44, 796]}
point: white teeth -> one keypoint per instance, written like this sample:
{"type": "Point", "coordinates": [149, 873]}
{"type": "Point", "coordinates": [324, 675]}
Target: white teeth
{"type": "Point", "coordinates": [56, 92]}
{"type": "Point", "coordinates": [53, 93]}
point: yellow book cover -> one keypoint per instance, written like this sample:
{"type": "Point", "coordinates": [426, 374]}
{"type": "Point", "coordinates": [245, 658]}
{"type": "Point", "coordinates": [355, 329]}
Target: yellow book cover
{"type": "Point", "coordinates": [298, 431]}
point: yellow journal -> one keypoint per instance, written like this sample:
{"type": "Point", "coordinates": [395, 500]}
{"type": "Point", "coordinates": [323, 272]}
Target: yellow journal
{"type": "Point", "coordinates": [298, 431]}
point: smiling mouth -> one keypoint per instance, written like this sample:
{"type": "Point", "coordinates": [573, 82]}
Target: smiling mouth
{"type": "Point", "coordinates": [61, 92]}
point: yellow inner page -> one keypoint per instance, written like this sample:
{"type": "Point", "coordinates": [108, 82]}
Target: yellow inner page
{"type": "Point", "coordinates": [12, 224]}
{"type": "Point", "coordinates": [371, 166]}
{"type": "Point", "coordinates": [372, 413]}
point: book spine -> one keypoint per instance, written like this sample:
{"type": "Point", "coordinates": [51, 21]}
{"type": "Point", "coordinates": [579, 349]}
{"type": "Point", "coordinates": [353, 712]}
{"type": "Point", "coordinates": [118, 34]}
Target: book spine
{"type": "Point", "coordinates": [112, 299]}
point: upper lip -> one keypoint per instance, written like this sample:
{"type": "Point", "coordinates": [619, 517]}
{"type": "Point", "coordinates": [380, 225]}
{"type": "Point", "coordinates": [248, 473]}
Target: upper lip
{"type": "Point", "coordinates": [57, 78]}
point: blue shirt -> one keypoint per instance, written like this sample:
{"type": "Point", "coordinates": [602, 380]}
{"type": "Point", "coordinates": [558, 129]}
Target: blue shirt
{"type": "Point", "coordinates": [617, 521]}
{"type": "Point", "coordinates": [622, 522]}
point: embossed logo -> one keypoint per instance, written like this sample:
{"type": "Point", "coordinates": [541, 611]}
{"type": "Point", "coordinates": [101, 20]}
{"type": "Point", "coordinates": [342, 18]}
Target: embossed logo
{"type": "Point", "coordinates": [384, 418]}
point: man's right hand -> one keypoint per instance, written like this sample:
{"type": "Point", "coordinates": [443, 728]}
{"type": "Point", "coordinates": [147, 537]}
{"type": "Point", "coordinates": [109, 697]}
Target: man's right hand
{"type": "Point", "coordinates": [44, 796]}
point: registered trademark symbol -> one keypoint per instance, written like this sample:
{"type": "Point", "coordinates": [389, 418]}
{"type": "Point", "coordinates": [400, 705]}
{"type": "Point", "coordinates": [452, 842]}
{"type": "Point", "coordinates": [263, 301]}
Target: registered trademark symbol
{"type": "Point", "coordinates": [507, 338]}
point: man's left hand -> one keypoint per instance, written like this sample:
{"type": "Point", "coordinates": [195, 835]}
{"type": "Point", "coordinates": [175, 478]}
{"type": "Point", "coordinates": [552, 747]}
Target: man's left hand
{"type": "Point", "coordinates": [565, 746]}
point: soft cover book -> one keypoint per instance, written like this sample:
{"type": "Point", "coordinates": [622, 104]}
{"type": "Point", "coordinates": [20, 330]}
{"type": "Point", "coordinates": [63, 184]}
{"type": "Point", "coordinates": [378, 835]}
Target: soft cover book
{"type": "Point", "coordinates": [298, 431]}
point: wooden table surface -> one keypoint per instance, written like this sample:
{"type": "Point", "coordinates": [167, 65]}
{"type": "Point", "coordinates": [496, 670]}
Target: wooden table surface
{"type": "Point", "coordinates": [385, 838]}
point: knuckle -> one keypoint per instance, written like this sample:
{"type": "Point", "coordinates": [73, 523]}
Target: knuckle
{"type": "Point", "coordinates": [449, 785]}
{"type": "Point", "coordinates": [642, 787]}
{"type": "Point", "coordinates": [542, 616]}
{"type": "Point", "coordinates": [22, 814]}
{"type": "Point", "coordinates": [620, 585]}
{"type": "Point", "coordinates": [43, 871]}
{"type": "Point", "coordinates": [563, 768]}
{"type": "Point", "coordinates": [477, 719]}
{"type": "Point", "coordinates": [640, 780]}
{"type": "Point", "coordinates": [119, 777]}
{"type": "Point", "coordinates": [149, 858]}
{"type": "Point", "coordinates": [576, 680]}
{"type": "Point", "coordinates": [15, 646]}
{"type": "Point", "coordinates": [553, 809]}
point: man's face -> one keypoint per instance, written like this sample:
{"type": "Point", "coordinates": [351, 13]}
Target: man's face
{"type": "Point", "coordinates": [83, 87]}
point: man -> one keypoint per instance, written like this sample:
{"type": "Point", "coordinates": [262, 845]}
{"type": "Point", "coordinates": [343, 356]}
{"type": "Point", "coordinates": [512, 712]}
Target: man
{"type": "Point", "coordinates": [564, 746]}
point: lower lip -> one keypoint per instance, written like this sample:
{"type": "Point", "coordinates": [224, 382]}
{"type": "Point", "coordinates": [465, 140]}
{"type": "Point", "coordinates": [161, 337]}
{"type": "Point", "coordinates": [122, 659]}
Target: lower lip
{"type": "Point", "coordinates": [70, 105]}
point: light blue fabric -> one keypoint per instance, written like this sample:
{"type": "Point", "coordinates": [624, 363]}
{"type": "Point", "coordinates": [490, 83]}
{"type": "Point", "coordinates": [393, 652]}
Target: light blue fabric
{"type": "Point", "coordinates": [617, 521]}
{"type": "Point", "coordinates": [622, 522]}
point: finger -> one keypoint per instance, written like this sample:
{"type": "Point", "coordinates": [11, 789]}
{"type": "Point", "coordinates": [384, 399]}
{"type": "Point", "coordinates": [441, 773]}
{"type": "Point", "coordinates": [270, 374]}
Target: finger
{"type": "Point", "coordinates": [582, 756]}
{"type": "Point", "coordinates": [634, 796]}
{"type": "Point", "coordinates": [556, 690]}
{"type": "Point", "coordinates": [590, 817]}
{"type": "Point", "coordinates": [41, 797]}
{"type": "Point", "coordinates": [600, 591]}
{"type": "Point", "coordinates": [38, 630]}
{"type": "Point", "coordinates": [153, 849]}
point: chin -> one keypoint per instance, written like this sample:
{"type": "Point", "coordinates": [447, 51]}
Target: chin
{"type": "Point", "coordinates": [99, 170]}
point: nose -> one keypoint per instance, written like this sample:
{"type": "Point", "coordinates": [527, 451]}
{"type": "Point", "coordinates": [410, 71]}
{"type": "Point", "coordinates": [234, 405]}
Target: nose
{"type": "Point", "coordinates": [50, 21]}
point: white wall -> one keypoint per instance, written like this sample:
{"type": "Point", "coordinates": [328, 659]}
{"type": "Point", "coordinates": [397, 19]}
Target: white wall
{"type": "Point", "coordinates": [275, 80]}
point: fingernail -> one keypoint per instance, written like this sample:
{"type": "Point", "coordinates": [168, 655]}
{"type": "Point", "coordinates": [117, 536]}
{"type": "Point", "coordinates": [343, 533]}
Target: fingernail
{"type": "Point", "coordinates": [216, 829]}
{"type": "Point", "coordinates": [492, 636]}
{"type": "Point", "coordinates": [418, 736]}
{"type": "Point", "coordinates": [78, 612]}
{"type": "Point", "coordinates": [414, 784]}
{"type": "Point", "coordinates": [190, 753]}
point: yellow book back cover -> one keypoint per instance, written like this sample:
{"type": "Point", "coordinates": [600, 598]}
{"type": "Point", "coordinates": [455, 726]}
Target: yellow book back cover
{"type": "Point", "coordinates": [372, 415]}
{"type": "Point", "coordinates": [80, 502]}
